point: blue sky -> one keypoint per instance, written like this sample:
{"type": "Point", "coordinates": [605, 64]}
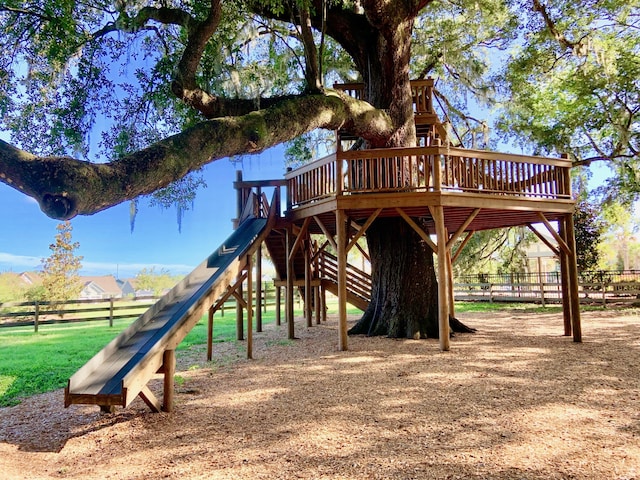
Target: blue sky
{"type": "Point", "coordinates": [105, 238]}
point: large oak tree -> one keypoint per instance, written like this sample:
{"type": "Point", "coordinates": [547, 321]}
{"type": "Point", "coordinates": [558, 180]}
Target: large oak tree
{"type": "Point", "coordinates": [178, 84]}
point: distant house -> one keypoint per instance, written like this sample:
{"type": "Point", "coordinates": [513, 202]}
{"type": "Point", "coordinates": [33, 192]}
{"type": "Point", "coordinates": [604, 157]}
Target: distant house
{"type": "Point", "coordinates": [104, 286]}
{"type": "Point", "coordinates": [129, 287]}
{"type": "Point", "coordinates": [31, 279]}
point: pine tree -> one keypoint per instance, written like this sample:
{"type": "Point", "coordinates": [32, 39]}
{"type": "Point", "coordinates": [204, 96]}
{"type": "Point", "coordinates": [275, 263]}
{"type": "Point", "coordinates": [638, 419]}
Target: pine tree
{"type": "Point", "coordinates": [60, 277]}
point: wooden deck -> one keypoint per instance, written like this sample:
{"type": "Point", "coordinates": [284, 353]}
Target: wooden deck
{"type": "Point", "coordinates": [453, 191]}
{"type": "Point", "coordinates": [509, 189]}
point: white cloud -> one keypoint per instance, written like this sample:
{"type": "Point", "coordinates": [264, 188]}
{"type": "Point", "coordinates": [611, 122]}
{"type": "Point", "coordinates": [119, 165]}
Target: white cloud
{"type": "Point", "coordinates": [18, 263]}
{"type": "Point", "coordinates": [123, 270]}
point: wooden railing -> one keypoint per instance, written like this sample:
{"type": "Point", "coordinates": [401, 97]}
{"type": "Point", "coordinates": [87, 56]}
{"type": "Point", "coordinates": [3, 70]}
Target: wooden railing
{"type": "Point", "coordinates": [252, 200]}
{"type": "Point", "coordinates": [429, 169]}
{"type": "Point", "coordinates": [358, 281]}
{"type": "Point", "coordinates": [421, 91]}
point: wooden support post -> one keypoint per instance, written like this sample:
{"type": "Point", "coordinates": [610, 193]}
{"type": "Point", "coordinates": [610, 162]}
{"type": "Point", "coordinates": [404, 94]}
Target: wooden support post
{"type": "Point", "coordinates": [541, 282]}
{"type": "Point", "coordinates": [169, 368]}
{"type": "Point", "coordinates": [316, 303]}
{"type": "Point", "coordinates": [239, 200]}
{"type": "Point", "coordinates": [443, 280]}
{"type": "Point", "coordinates": [323, 303]}
{"type": "Point", "coordinates": [573, 279]}
{"type": "Point", "coordinates": [564, 282]}
{"type": "Point", "coordinates": [289, 290]}
{"type": "Point", "coordinates": [259, 289]}
{"type": "Point", "coordinates": [36, 317]}
{"type": "Point", "coordinates": [307, 285]}
{"type": "Point", "coordinates": [452, 308]}
{"type": "Point", "coordinates": [210, 335]}
{"type": "Point", "coordinates": [278, 306]}
{"type": "Point", "coordinates": [239, 311]}
{"type": "Point", "coordinates": [250, 306]}
{"type": "Point", "coordinates": [111, 311]}
{"type": "Point", "coordinates": [341, 237]}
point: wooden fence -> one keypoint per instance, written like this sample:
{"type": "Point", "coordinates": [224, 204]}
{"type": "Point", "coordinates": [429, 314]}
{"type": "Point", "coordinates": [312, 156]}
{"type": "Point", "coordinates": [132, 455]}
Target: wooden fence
{"type": "Point", "coordinates": [36, 313]}
{"type": "Point", "coordinates": [544, 292]}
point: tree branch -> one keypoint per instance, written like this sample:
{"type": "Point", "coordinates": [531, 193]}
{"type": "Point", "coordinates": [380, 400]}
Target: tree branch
{"type": "Point", "coordinates": [65, 187]}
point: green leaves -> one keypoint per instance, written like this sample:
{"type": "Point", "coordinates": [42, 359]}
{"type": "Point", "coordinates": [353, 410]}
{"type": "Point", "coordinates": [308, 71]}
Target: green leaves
{"type": "Point", "coordinates": [60, 270]}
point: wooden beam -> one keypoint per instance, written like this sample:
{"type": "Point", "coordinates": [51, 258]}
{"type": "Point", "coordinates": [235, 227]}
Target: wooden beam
{"type": "Point", "coordinates": [573, 280]}
{"type": "Point", "coordinates": [363, 229]}
{"type": "Point", "coordinates": [461, 247]}
{"type": "Point", "coordinates": [301, 236]}
{"type": "Point", "coordinates": [289, 316]}
{"type": "Point", "coordinates": [240, 305]}
{"type": "Point", "coordinates": [326, 232]}
{"type": "Point", "coordinates": [553, 248]}
{"type": "Point", "coordinates": [424, 235]}
{"type": "Point", "coordinates": [278, 305]}
{"type": "Point", "coordinates": [150, 399]}
{"type": "Point", "coordinates": [450, 299]}
{"type": "Point", "coordinates": [443, 307]}
{"type": "Point", "coordinates": [561, 243]}
{"type": "Point", "coordinates": [564, 283]}
{"type": "Point", "coordinates": [250, 307]}
{"type": "Point", "coordinates": [341, 230]}
{"type": "Point", "coordinates": [259, 289]}
{"type": "Point", "coordinates": [307, 286]}
{"type": "Point", "coordinates": [462, 228]}
{"type": "Point", "coordinates": [364, 254]}
{"type": "Point", "coordinates": [318, 251]}
{"type": "Point", "coordinates": [241, 301]}
{"type": "Point", "coordinates": [169, 367]}
{"type": "Point", "coordinates": [210, 334]}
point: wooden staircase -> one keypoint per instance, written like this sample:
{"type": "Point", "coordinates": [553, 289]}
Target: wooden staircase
{"type": "Point", "coordinates": [358, 281]}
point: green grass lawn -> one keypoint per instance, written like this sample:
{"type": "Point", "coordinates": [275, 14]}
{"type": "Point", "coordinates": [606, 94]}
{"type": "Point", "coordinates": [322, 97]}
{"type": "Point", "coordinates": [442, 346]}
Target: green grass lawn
{"type": "Point", "coordinates": [32, 363]}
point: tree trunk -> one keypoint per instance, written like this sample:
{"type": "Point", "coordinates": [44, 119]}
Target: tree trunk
{"type": "Point", "coordinates": [405, 291]}
{"type": "Point", "coordinates": [404, 298]}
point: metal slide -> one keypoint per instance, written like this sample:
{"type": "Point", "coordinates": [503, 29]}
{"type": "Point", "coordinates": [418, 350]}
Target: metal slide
{"type": "Point", "coordinates": [122, 369]}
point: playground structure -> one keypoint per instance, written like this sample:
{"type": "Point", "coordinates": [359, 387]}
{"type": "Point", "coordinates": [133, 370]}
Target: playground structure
{"type": "Point", "coordinates": [456, 191]}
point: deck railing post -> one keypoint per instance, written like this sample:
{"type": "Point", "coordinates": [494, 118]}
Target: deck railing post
{"type": "Point", "coordinates": [437, 172]}
{"type": "Point", "coordinates": [339, 174]}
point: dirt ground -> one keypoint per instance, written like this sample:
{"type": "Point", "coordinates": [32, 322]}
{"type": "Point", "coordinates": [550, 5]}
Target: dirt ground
{"type": "Point", "coordinates": [516, 400]}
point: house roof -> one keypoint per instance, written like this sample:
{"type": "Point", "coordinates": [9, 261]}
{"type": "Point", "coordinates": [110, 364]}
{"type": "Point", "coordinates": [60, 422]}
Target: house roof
{"type": "Point", "coordinates": [107, 283]}
{"type": "Point", "coordinates": [31, 278]}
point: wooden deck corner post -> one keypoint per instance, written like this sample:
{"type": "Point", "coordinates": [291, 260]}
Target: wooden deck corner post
{"type": "Point", "coordinates": [259, 289]}
{"type": "Point", "coordinates": [250, 306]}
{"type": "Point", "coordinates": [169, 369]}
{"type": "Point", "coordinates": [289, 315]}
{"type": "Point", "coordinates": [341, 238]}
{"type": "Point", "coordinates": [573, 279]}
{"type": "Point", "coordinates": [443, 279]}
{"type": "Point", "coordinates": [564, 282]}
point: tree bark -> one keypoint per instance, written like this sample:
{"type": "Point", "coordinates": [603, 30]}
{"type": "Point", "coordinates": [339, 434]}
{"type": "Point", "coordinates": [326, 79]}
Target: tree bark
{"type": "Point", "coordinates": [404, 300]}
{"type": "Point", "coordinates": [65, 187]}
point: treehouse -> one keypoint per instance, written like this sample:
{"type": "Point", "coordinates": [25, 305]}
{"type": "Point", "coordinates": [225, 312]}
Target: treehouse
{"type": "Point", "coordinates": [453, 190]}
